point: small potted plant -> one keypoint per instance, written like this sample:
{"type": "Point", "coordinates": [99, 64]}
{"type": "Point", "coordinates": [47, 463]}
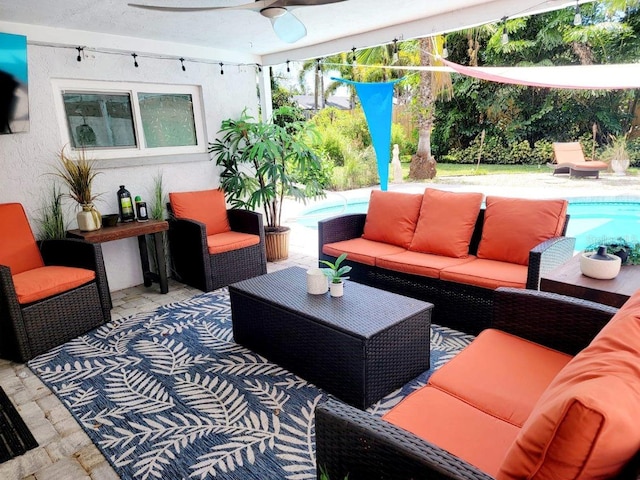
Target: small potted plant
{"type": "Point", "coordinates": [335, 273]}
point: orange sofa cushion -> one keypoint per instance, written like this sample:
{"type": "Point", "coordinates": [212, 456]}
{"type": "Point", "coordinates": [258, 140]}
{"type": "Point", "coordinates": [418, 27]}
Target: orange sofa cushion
{"type": "Point", "coordinates": [425, 264]}
{"type": "Point", "coordinates": [391, 217]}
{"type": "Point", "coordinates": [446, 223]}
{"type": "Point", "coordinates": [361, 250]}
{"type": "Point", "coordinates": [44, 282]}
{"type": "Point", "coordinates": [487, 274]}
{"type": "Point", "coordinates": [205, 206]}
{"type": "Point", "coordinates": [455, 426]}
{"type": "Point", "coordinates": [227, 241]}
{"type": "Point", "coordinates": [585, 424]}
{"type": "Point", "coordinates": [513, 226]}
{"type": "Point", "coordinates": [18, 250]}
{"type": "Point", "coordinates": [488, 374]}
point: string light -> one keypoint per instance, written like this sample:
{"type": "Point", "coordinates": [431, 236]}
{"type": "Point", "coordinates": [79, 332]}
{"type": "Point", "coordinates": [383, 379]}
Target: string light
{"type": "Point", "coordinates": [80, 51]}
{"type": "Point", "coordinates": [395, 50]}
{"type": "Point", "coordinates": [577, 18]}
{"type": "Point", "coordinates": [505, 36]}
{"type": "Point", "coordinates": [221, 69]}
{"type": "Point", "coordinates": [184, 69]}
{"type": "Point", "coordinates": [354, 60]}
{"type": "Point", "coordinates": [288, 69]}
{"type": "Point", "coordinates": [318, 68]}
{"type": "Point", "coordinates": [135, 61]}
{"type": "Point", "coordinates": [259, 67]}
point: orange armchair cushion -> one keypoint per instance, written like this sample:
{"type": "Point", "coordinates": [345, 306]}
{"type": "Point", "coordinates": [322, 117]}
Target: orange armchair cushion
{"type": "Point", "coordinates": [18, 248]}
{"type": "Point", "coordinates": [44, 282]}
{"type": "Point", "coordinates": [585, 423]}
{"type": "Point", "coordinates": [228, 241]}
{"type": "Point", "coordinates": [391, 217]}
{"type": "Point", "coordinates": [513, 226]}
{"type": "Point", "coordinates": [205, 206]}
{"type": "Point", "coordinates": [446, 223]}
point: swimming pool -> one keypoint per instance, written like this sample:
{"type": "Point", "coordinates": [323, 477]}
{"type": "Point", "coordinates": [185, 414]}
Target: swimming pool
{"type": "Point", "coordinates": [590, 222]}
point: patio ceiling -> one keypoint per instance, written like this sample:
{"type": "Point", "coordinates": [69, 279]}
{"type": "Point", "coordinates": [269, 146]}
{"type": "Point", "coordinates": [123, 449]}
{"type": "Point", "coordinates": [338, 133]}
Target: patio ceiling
{"type": "Point", "coordinates": [244, 36]}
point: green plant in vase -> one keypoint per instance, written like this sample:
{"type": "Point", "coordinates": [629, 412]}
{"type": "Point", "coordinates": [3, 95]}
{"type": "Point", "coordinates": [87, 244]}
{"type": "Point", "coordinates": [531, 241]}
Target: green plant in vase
{"type": "Point", "coordinates": [52, 225]}
{"type": "Point", "coordinates": [336, 273]}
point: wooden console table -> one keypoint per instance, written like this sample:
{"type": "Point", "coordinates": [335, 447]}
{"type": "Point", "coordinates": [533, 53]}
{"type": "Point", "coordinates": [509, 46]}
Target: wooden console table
{"type": "Point", "coordinates": [140, 230]}
{"type": "Point", "coordinates": [567, 279]}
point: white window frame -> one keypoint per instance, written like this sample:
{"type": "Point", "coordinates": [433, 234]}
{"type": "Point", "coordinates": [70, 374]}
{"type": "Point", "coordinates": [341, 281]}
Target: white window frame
{"type": "Point", "coordinates": [140, 151]}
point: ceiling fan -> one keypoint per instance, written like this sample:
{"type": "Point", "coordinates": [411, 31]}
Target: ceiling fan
{"type": "Point", "coordinates": [285, 24]}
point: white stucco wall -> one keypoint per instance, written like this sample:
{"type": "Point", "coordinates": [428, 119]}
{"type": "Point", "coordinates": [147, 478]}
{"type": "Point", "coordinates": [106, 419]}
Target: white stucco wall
{"type": "Point", "coordinates": [27, 159]}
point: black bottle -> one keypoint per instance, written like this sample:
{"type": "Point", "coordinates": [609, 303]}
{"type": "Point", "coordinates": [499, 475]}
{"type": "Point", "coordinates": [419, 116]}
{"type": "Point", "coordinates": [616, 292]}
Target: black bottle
{"type": "Point", "coordinates": [125, 205]}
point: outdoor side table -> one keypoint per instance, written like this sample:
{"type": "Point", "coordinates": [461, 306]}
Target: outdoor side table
{"type": "Point", "coordinates": [359, 347]}
{"type": "Point", "coordinates": [140, 230]}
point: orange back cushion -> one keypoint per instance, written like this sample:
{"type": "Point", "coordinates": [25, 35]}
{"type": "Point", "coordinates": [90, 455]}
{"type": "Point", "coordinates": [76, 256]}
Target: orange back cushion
{"type": "Point", "coordinates": [446, 223]}
{"type": "Point", "coordinates": [513, 226]}
{"type": "Point", "coordinates": [585, 423]}
{"type": "Point", "coordinates": [18, 248]}
{"type": "Point", "coordinates": [206, 206]}
{"type": "Point", "coordinates": [392, 217]}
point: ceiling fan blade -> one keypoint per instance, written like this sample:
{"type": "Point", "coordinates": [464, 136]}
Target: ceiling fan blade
{"type": "Point", "coordinates": [288, 28]}
{"type": "Point", "coordinates": [257, 6]}
{"type": "Point", "coordinates": [303, 3]}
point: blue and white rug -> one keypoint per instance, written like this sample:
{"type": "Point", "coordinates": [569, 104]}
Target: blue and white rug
{"type": "Point", "coordinates": [169, 395]}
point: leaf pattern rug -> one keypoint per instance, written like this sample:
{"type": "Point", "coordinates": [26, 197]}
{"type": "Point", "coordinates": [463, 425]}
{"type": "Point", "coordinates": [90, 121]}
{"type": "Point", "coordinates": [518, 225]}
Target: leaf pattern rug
{"type": "Point", "coordinates": [169, 395]}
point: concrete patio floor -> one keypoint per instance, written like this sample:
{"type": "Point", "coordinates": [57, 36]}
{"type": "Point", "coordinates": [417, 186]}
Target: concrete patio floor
{"type": "Point", "coordinates": [65, 451]}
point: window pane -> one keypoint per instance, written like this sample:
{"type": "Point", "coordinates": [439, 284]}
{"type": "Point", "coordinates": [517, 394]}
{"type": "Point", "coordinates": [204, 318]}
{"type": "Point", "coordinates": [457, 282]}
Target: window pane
{"type": "Point", "coordinates": [99, 120]}
{"type": "Point", "coordinates": [167, 119]}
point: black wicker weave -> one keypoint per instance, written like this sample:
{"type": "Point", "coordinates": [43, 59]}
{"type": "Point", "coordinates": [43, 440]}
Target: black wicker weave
{"type": "Point", "coordinates": [362, 445]}
{"type": "Point", "coordinates": [461, 307]}
{"type": "Point", "coordinates": [194, 265]}
{"type": "Point", "coordinates": [359, 347]}
{"type": "Point", "coordinates": [32, 329]}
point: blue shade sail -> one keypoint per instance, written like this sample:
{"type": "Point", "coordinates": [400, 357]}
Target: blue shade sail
{"type": "Point", "coordinates": [377, 103]}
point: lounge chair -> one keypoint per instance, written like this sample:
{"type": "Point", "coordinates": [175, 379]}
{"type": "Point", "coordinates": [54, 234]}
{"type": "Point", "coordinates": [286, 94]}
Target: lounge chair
{"type": "Point", "coordinates": [568, 157]}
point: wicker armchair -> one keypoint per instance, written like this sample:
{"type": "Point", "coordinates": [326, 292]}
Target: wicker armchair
{"type": "Point", "coordinates": [362, 445]}
{"type": "Point", "coordinates": [50, 291]}
{"type": "Point", "coordinates": [195, 260]}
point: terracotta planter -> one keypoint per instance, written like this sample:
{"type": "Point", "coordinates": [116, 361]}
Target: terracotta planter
{"type": "Point", "coordinates": [277, 244]}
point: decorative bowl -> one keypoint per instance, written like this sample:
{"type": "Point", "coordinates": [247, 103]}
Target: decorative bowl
{"type": "Point", "coordinates": [110, 220]}
{"type": "Point", "coordinates": [600, 269]}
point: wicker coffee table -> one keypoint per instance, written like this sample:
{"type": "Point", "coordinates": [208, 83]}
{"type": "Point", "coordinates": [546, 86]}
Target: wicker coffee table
{"type": "Point", "coordinates": [359, 347]}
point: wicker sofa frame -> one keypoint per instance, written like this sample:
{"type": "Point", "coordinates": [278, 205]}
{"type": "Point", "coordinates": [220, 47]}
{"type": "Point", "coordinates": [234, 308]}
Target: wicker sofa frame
{"type": "Point", "coordinates": [194, 265]}
{"type": "Point", "coordinates": [31, 329]}
{"type": "Point", "coordinates": [362, 445]}
{"type": "Point", "coordinates": [458, 306]}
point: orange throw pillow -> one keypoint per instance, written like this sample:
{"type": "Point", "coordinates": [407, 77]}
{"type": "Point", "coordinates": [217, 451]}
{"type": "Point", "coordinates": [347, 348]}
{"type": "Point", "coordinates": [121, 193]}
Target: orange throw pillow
{"type": "Point", "coordinates": [392, 217]}
{"type": "Point", "coordinates": [513, 226]}
{"type": "Point", "coordinates": [446, 223]}
{"type": "Point", "coordinates": [584, 425]}
{"type": "Point", "coordinates": [205, 206]}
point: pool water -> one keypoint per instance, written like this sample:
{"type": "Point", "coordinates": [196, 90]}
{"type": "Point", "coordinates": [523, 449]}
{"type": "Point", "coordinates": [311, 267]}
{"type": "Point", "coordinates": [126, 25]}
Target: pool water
{"type": "Point", "coordinates": [590, 222]}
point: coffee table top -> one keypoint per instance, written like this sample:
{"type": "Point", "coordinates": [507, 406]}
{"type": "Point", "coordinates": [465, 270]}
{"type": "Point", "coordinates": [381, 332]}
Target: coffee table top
{"type": "Point", "coordinates": [363, 311]}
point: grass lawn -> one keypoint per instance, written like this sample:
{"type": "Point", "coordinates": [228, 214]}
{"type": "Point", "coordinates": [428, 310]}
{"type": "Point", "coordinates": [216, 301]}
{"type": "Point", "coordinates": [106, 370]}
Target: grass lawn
{"type": "Point", "coordinates": [456, 169]}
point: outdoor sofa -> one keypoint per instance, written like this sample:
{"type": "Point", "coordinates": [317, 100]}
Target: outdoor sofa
{"type": "Point", "coordinates": [515, 403]}
{"type": "Point", "coordinates": [445, 248]}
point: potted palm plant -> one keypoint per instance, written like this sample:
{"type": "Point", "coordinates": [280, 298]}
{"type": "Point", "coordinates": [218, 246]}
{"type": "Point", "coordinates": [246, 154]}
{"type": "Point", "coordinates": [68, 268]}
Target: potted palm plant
{"type": "Point", "coordinates": [336, 275]}
{"type": "Point", "coordinates": [78, 174]}
{"type": "Point", "coordinates": [264, 162]}
{"type": "Point", "coordinates": [617, 154]}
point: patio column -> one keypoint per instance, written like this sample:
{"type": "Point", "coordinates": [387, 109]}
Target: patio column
{"type": "Point", "coordinates": [264, 87]}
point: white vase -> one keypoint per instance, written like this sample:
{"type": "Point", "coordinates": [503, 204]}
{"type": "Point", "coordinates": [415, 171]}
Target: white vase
{"type": "Point", "coordinates": [336, 289]}
{"type": "Point", "coordinates": [89, 218]}
{"type": "Point", "coordinates": [317, 282]}
{"type": "Point", "coordinates": [619, 165]}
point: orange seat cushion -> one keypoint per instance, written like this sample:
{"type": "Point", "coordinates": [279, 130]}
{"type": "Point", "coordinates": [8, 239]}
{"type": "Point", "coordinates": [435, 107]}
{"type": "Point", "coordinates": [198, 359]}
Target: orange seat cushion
{"type": "Point", "coordinates": [585, 424]}
{"type": "Point", "coordinates": [391, 217]}
{"type": "Point", "coordinates": [455, 426]}
{"type": "Point", "coordinates": [487, 274]}
{"type": "Point", "coordinates": [18, 248]}
{"type": "Point", "coordinates": [44, 282]}
{"type": "Point", "coordinates": [416, 263]}
{"type": "Point", "coordinates": [513, 226]}
{"type": "Point", "coordinates": [205, 206]}
{"type": "Point", "coordinates": [488, 374]}
{"type": "Point", "coordinates": [227, 241]}
{"type": "Point", "coordinates": [446, 223]}
{"type": "Point", "coordinates": [361, 250]}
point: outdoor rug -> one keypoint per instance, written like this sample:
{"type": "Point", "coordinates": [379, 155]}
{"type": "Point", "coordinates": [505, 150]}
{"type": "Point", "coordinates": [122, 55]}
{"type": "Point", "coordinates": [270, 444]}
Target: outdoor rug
{"type": "Point", "coordinates": [169, 395]}
{"type": "Point", "coordinates": [15, 437]}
